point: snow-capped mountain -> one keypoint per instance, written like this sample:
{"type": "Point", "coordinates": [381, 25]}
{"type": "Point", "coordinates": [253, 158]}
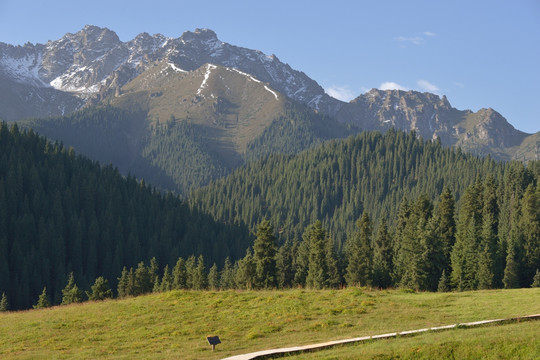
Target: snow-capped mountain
{"type": "Point", "coordinates": [94, 61]}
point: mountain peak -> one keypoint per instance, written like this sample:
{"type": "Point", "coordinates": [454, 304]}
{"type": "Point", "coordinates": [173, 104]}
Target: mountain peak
{"type": "Point", "coordinates": [92, 33]}
{"type": "Point", "coordinates": [199, 34]}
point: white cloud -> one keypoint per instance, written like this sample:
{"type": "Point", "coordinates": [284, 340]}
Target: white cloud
{"type": "Point", "coordinates": [427, 86]}
{"type": "Point", "coordinates": [429, 33]}
{"type": "Point", "coordinates": [458, 84]}
{"type": "Point", "coordinates": [416, 40]}
{"type": "Point", "coordinates": [342, 93]}
{"type": "Point", "coordinates": [389, 85]}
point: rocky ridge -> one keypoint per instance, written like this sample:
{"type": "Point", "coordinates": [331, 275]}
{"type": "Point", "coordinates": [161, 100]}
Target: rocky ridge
{"type": "Point", "coordinates": [94, 63]}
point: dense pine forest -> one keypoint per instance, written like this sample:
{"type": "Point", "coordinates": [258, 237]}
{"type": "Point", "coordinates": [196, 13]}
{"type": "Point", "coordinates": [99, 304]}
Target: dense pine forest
{"type": "Point", "coordinates": [61, 213]}
{"type": "Point", "coordinates": [381, 210]}
{"type": "Point", "coordinates": [337, 182]}
{"type": "Point", "coordinates": [389, 210]}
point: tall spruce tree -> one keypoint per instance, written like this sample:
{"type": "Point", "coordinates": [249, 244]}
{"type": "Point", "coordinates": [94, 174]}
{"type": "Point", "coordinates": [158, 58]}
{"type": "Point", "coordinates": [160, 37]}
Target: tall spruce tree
{"type": "Point", "coordinates": [213, 278]}
{"type": "Point", "coordinates": [332, 264]}
{"type": "Point", "coordinates": [512, 270]}
{"type": "Point", "coordinates": [191, 263]}
{"type": "Point", "coordinates": [246, 274]}
{"type": "Point", "coordinates": [227, 276]}
{"type": "Point", "coordinates": [416, 237]}
{"type": "Point", "coordinates": [530, 223]}
{"type": "Point", "coordinates": [285, 265]}
{"type": "Point", "coordinates": [200, 278]}
{"type": "Point", "coordinates": [360, 253]}
{"type": "Point", "coordinates": [301, 262]}
{"type": "Point", "coordinates": [464, 256]}
{"type": "Point", "coordinates": [382, 257]}
{"type": "Point", "coordinates": [317, 275]}
{"type": "Point", "coordinates": [179, 274]}
{"type": "Point", "coordinates": [123, 284]}
{"type": "Point", "coordinates": [264, 253]}
{"type": "Point", "coordinates": [446, 224]}
{"type": "Point", "coordinates": [166, 280]}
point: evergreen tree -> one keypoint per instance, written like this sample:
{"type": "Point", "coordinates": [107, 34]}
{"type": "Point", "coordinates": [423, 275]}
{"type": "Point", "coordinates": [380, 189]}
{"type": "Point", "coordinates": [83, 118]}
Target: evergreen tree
{"type": "Point", "coordinates": [382, 257]}
{"type": "Point", "coordinates": [444, 283]}
{"type": "Point", "coordinates": [144, 282]}
{"type": "Point", "coordinates": [264, 253]}
{"type": "Point", "coordinates": [100, 290]}
{"type": "Point", "coordinates": [123, 284]}
{"type": "Point", "coordinates": [301, 263]}
{"type": "Point", "coordinates": [179, 274]}
{"type": "Point", "coordinates": [71, 293]}
{"type": "Point", "coordinates": [213, 278]}
{"type": "Point", "coordinates": [247, 271]}
{"type": "Point", "coordinates": [284, 266]}
{"type": "Point", "coordinates": [486, 275]}
{"type": "Point", "coordinates": [535, 283]}
{"type": "Point", "coordinates": [464, 256]}
{"type": "Point", "coordinates": [360, 253]}
{"type": "Point", "coordinates": [446, 224]}
{"type": "Point", "coordinates": [317, 275]}
{"type": "Point", "coordinates": [332, 264]}
{"type": "Point", "coordinates": [530, 223]}
{"type": "Point", "coordinates": [511, 277]}
{"type": "Point", "coordinates": [167, 280]}
{"type": "Point", "coordinates": [200, 278]}
{"type": "Point", "coordinates": [418, 247]}
{"type": "Point", "coordinates": [433, 259]}
{"type": "Point", "coordinates": [43, 300]}
{"type": "Point", "coordinates": [227, 276]}
{"type": "Point", "coordinates": [153, 270]}
{"type": "Point", "coordinates": [4, 304]}
{"type": "Point", "coordinates": [190, 272]}
{"type": "Point", "coordinates": [157, 285]}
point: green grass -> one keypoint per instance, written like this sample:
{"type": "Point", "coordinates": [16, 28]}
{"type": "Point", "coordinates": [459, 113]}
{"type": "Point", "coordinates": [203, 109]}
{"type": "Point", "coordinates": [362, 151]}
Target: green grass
{"type": "Point", "coordinates": [175, 324]}
{"type": "Point", "coordinates": [511, 341]}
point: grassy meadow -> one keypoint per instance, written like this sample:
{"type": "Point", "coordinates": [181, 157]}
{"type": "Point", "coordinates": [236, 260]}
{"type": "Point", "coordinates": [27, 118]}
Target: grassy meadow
{"type": "Point", "coordinates": [174, 325]}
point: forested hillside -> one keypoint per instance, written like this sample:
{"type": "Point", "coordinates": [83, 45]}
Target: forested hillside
{"type": "Point", "coordinates": [62, 213]}
{"type": "Point", "coordinates": [395, 211]}
{"type": "Point", "coordinates": [338, 181]}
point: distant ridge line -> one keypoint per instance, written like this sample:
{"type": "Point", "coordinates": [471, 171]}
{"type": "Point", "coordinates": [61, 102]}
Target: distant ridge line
{"type": "Point", "coordinates": [297, 349]}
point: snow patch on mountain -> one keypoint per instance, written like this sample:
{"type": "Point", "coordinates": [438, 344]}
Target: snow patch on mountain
{"type": "Point", "coordinates": [176, 68]}
{"type": "Point", "coordinates": [24, 69]}
{"type": "Point", "coordinates": [209, 69]}
{"type": "Point", "coordinates": [255, 80]}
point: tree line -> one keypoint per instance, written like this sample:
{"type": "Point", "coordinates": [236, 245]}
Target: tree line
{"type": "Point", "coordinates": [433, 247]}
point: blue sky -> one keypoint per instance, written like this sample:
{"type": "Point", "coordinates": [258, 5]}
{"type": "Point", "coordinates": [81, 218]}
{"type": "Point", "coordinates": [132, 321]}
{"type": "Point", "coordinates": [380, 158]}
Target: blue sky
{"type": "Point", "coordinates": [478, 53]}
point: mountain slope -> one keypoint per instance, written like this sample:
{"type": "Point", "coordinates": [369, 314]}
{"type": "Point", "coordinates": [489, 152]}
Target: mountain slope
{"type": "Point", "coordinates": [179, 130]}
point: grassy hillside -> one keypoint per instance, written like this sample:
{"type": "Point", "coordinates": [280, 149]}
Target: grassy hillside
{"type": "Point", "coordinates": [175, 324]}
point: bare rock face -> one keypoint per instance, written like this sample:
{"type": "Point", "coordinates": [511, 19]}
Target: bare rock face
{"type": "Point", "coordinates": [432, 117]}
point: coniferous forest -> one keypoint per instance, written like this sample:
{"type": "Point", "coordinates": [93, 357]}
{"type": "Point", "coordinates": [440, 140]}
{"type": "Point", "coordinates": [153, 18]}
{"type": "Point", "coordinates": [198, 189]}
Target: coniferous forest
{"type": "Point", "coordinates": [61, 213]}
{"type": "Point", "coordinates": [372, 210]}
